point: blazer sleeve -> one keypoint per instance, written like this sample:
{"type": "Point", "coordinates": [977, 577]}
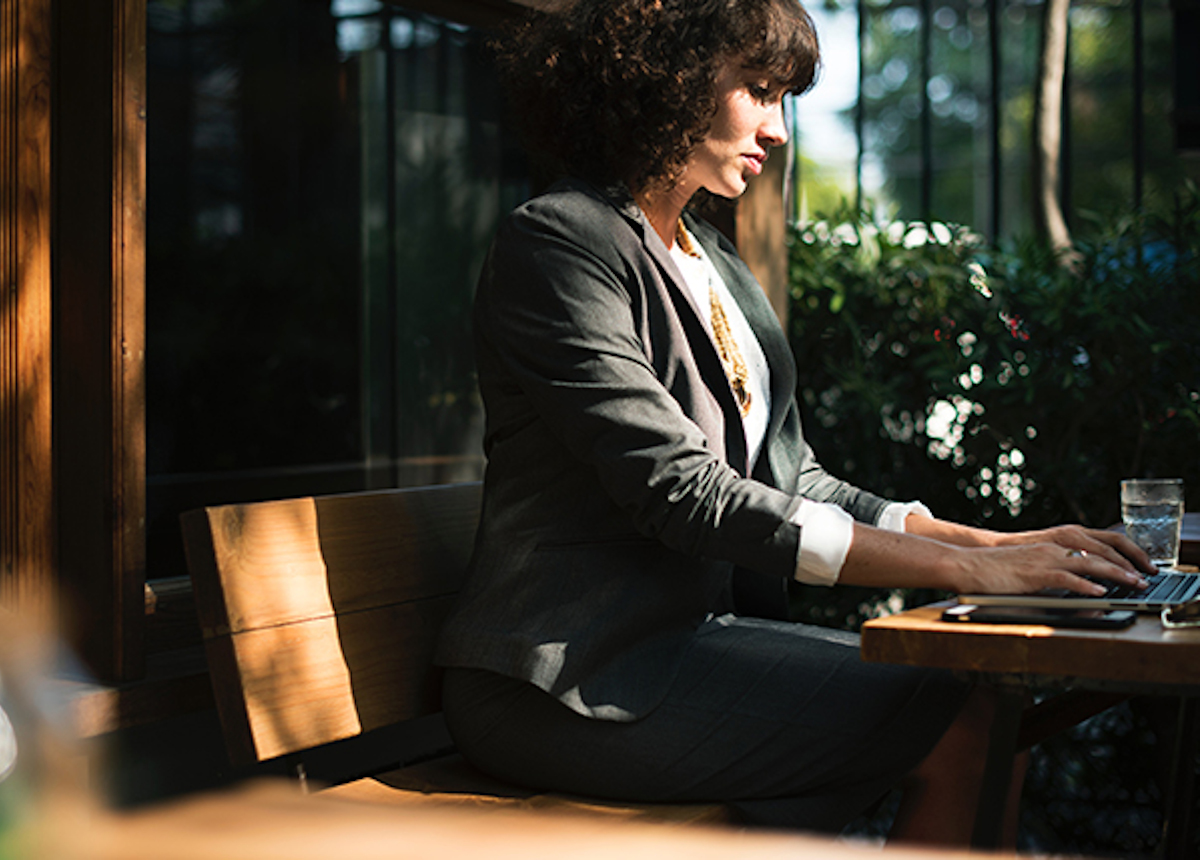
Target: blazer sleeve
{"type": "Point", "coordinates": [791, 461]}
{"type": "Point", "coordinates": [556, 310]}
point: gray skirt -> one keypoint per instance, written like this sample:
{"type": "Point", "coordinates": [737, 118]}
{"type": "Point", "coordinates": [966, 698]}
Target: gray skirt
{"type": "Point", "coordinates": [782, 721]}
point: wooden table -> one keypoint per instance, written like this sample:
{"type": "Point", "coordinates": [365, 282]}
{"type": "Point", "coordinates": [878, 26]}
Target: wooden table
{"type": "Point", "coordinates": [1143, 659]}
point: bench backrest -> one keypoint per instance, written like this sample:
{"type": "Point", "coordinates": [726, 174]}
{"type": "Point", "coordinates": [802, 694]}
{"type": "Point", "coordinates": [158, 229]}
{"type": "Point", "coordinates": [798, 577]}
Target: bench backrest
{"type": "Point", "coordinates": [320, 614]}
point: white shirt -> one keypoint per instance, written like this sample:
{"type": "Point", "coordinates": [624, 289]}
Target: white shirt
{"type": "Point", "coordinates": [826, 531]}
{"type": "Point", "coordinates": [699, 274]}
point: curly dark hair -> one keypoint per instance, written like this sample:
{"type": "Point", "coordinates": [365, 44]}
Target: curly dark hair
{"type": "Point", "coordinates": [624, 90]}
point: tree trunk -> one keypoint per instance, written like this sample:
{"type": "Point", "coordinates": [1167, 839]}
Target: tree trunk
{"type": "Point", "coordinates": [1047, 126]}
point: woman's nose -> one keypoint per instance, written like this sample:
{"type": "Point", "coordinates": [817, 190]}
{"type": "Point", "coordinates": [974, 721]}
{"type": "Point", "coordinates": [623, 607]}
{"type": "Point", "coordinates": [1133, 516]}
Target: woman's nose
{"type": "Point", "coordinates": [773, 131]}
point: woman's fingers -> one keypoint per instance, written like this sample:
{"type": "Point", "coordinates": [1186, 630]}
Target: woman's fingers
{"type": "Point", "coordinates": [1113, 547]}
{"type": "Point", "coordinates": [1029, 568]}
{"type": "Point", "coordinates": [1118, 549]}
{"type": "Point", "coordinates": [1082, 563]}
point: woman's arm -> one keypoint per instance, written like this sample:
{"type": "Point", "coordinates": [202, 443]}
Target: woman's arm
{"type": "Point", "coordinates": [938, 554]}
{"type": "Point", "coordinates": [1113, 546]}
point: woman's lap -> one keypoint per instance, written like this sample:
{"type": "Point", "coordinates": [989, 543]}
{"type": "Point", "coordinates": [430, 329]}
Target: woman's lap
{"type": "Point", "coordinates": [782, 720]}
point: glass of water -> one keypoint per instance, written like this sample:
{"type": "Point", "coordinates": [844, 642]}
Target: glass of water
{"type": "Point", "coordinates": [1152, 509]}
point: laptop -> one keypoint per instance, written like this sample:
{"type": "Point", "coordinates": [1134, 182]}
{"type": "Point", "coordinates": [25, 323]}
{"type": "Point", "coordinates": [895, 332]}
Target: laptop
{"type": "Point", "coordinates": [1166, 589]}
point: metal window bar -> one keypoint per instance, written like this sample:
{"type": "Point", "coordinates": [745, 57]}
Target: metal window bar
{"type": "Point", "coordinates": [1139, 82]}
{"type": "Point", "coordinates": [995, 86]}
{"type": "Point", "coordinates": [926, 112]}
{"type": "Point", "coordinates": [385, 411]}
{"type": "Point", "coordinates": [1065, 162]}
{"type": "Point", "coordinates": [860, 108]}
{"type": "Point", "coordinates": [996, 165]}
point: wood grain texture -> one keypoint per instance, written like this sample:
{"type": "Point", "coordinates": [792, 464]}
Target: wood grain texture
{"type": "Point", "coordinates": [762, 233]}
{"type": "Point", "coordinates": [320, 617]}
{"type": "Point", "coordinates": [326, 679]}
{"type": "Point", "coordinates": [127, 346]}
{"type": "Point", "coordinates": [1142, 654]}
{"type": "Point", "coordinates": [293, 560]}
{"type": "Point", "coordinates": [320, 614]}
{"type": "Point", "coordinates": [100, 298]}
{"type": "Point", "coordinates": [27, 565]}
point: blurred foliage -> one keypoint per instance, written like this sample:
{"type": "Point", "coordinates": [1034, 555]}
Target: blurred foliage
{"type": "Point", "coordinates": [996, 385]}
{"type": "Point", "coordinates": [1009, 391]}
{"type": "Point", "coordinates": [908, 67]}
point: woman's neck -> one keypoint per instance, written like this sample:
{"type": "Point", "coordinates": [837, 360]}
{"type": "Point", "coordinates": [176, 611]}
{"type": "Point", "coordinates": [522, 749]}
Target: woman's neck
{"type": "Point", "coordinates": [662, 209]}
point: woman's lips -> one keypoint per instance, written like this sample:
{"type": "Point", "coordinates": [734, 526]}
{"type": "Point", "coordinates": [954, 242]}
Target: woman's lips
{"type": "Point", "coordinates": [755, 162]}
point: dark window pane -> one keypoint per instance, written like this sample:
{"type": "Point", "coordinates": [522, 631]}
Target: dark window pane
{"type": "Point", "coordinates": [324, 179]}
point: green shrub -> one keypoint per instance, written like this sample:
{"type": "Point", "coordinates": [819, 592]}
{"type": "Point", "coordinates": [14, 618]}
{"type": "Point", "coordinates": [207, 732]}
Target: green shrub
{"type": "Point", "coordinates": [1007, 391]}
{"type": "Point", "coordinates": [997, 385]}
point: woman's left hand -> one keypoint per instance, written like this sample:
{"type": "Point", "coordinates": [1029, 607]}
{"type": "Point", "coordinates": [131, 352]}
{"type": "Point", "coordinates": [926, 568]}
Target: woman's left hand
{"type": "Point", "coordinates": [1111, 546]}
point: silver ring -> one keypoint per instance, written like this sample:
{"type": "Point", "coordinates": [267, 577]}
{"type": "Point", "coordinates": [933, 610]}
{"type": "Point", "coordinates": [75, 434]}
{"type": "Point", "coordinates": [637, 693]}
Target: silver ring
{"type": "Point", "coordinates": [1076, 553]}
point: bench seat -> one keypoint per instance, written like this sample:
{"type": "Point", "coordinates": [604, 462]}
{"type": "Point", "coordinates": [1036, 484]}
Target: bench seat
{"type": "Point", "coordinates": [320, 616]}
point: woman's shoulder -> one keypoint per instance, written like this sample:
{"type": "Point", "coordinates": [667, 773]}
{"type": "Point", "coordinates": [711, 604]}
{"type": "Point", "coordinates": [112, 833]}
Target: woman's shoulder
{"type": "Point", "coordinates": [571, 200]}
{"type": "Point", "coordinates": [581, 213]}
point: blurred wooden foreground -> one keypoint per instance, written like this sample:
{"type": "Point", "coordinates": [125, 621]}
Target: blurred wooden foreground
{"type": "Point", "coordinates": [265, 821]}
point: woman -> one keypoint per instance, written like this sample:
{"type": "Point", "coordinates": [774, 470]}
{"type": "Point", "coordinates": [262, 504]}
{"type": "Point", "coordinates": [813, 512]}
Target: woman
{"type": "Point", "coordinates": [644, 441]}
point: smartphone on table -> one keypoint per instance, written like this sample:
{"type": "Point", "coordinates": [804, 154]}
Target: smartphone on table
{"type": "Point", "coordinates": [1049, 616]}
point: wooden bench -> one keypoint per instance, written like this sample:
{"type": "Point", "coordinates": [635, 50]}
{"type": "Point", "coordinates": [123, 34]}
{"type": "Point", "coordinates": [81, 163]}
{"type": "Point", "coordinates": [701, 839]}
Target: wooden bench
{"type": "Point", "coordinates": [319, 618]}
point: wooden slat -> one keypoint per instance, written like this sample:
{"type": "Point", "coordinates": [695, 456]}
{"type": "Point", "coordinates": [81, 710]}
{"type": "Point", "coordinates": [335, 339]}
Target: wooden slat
{"type": "Point", "coordinates": [326, 679]}
{"type": "Point", "coordinates": [100, 296]}
{"type": "Point", "coordinates": [26, 482]}
{"type": "Point", "coordinates": [268, 567]}
{"type": "Point", "coordinates": [320, 614]}
{"type": "Point", "coordinates": [320, 618]}
{"type": "Point", "coordinates": [271, 563]}
{"type": "Point", "coordinates": [1144, 653]}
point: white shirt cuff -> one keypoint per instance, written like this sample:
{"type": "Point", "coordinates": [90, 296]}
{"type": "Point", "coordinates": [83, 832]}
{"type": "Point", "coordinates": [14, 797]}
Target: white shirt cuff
{"type": "Point", "coordinates": [895, 513]}
{"type": "Point", "coordinates": [825, 535]}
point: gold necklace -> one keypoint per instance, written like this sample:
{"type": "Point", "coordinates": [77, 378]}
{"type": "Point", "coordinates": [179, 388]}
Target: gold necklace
{"type": "Point", "coordinates": [727, 348]}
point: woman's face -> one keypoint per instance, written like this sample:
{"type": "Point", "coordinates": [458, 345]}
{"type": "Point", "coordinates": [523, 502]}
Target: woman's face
{"type": "Point", "coordinates": [748, 122]}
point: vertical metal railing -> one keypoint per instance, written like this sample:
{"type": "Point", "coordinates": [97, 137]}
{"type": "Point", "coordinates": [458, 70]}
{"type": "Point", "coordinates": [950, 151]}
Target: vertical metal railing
{"type": "Point", "coordinates": [860, 107]}
{"type": "Point", "coordinates": [1139, 83]}
{"type": "Point", "coordinates": [995, 92]}
{"type": "Point", "coordinates": [995, 155]}
{"type": "Point", "coordinates": [926, 112]}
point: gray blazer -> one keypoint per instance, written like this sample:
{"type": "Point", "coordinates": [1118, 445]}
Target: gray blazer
{"type": "Point", "coordinates": [616, 498]}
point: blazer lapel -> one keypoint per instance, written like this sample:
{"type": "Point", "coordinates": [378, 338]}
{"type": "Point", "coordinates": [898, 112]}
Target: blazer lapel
{"type": "Point", "coordinates": [707, 358]}
{"type": "Point", "coordinates": [759, 314]}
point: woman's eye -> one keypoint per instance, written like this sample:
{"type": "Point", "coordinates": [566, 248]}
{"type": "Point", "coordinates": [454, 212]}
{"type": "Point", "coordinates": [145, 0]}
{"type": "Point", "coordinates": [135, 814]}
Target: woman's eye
{"type": "Point", "coordinates": [761, 92]}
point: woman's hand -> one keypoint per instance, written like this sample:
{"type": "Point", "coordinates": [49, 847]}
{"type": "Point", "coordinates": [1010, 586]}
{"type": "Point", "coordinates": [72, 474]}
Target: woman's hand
{"type": "Point", "coordinates": [936, 554]}
{"type": "Point", "coordinates": [1111, 546]}
{"type": "Point", "coordinates": [1019, 566]}
{"type": "Point", "coordinates": [1024, 562]}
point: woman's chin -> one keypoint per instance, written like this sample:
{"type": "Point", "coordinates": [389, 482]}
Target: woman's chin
{"type": "Point", "coordinates": [730, 190]}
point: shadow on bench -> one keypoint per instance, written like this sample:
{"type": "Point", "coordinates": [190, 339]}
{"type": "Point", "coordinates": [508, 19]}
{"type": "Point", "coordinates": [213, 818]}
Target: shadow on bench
{"type": "Point", "coordinates": [320, 617]}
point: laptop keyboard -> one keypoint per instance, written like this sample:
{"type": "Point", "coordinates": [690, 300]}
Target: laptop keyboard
{"type": "Point", "coordinates": [1164, 588]}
